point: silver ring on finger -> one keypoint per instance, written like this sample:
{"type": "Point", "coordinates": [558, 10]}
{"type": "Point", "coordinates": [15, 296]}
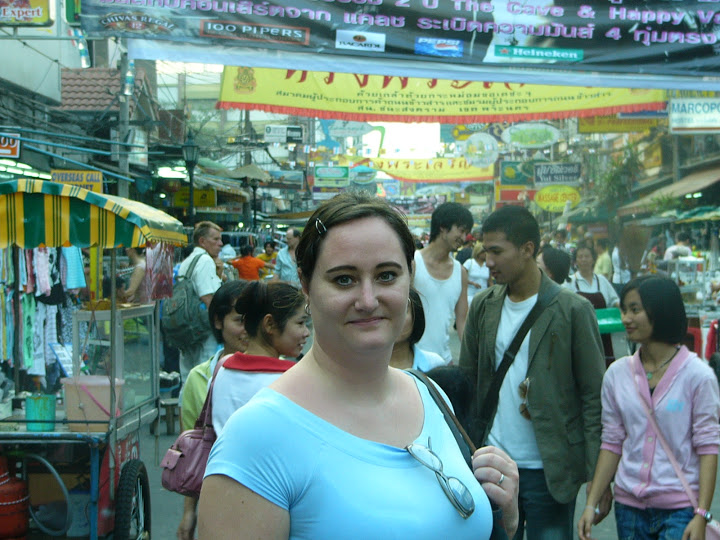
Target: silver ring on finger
{"type": "Point", "coordinates": [502, 479]}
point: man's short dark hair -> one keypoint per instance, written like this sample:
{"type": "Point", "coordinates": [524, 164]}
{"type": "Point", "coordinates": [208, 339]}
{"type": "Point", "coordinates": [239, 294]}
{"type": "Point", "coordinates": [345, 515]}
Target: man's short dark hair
{"type": "Point", "coordinates": [448, 214]}
{"type": "Point", "coordinates": [557, 263]}
{"type": "Point", "coordinates": [682, 236]}
{"type": "Point", "coordinates": [246, 250]}
{"type": "Point", "coordinates": [517, 223]}
{"type": "Point", "coordinates": [663, 304]}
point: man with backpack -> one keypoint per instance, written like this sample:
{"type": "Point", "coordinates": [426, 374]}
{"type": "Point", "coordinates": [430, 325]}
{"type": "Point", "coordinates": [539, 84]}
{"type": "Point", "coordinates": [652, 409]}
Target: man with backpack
{"type": "Point", "coordinates": [205, 282]}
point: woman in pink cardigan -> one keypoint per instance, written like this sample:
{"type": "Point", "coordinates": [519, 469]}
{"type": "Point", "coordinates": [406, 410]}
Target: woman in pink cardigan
{"type": "Point", "coordinates": [682, 392]}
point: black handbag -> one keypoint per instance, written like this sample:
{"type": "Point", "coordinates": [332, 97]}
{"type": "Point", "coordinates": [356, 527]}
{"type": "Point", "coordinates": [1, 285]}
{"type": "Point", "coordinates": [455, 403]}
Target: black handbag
{"type": "Point", "coordinates": [467, 448]}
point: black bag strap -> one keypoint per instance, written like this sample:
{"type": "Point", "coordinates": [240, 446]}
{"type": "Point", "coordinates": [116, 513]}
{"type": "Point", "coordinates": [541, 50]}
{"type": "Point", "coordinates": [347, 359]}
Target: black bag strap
{"type": "Point", "coordinates": [204, 419]}
{"type": "Point", "coordinates": [464, 442]}
{"type": "Point", "coordinates": [463, 439]}
{"type": "Point", "coordinates": [489, 406]}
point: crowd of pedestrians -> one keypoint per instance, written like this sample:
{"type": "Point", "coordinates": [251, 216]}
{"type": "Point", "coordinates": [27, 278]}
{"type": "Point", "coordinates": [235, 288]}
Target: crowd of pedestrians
{"type": "Point", "coordinates": [340, 440]}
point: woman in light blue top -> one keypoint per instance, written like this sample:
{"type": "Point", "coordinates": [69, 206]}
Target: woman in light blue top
{"type": "Point", "coordinates": [343, 445]}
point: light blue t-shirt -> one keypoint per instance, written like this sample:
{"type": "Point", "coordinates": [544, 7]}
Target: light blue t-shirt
{"type": "Point", "coordinates": [337, 485]}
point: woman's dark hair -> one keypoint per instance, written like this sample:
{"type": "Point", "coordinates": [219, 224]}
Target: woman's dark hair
{"type": "Point", "coordinates": [557, 262]}
{"type": "Point", "coordinates": [270, 243]}
{"type": "Point", "coordinates": [418, 315]}
{"type": "Point", "coordinates": [662, 301]}
{"type": "Point", "coordinates": [276, 298]}
{"type": "Point", "coordinates": [584, 245]}
{"type": "Point", "coordinates": [222, 303]}
{"type": "Point", "coordinates": [348, 206]}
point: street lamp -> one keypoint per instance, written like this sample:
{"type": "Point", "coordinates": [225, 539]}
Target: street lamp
{"type": "Point", "coordinates": [191, 152]}
{"type": "Point", "coordinates": [254, 183]}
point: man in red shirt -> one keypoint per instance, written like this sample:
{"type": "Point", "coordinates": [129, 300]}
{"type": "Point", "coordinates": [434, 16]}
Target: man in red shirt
{"type": "Point", "coordinates": [248, 267]}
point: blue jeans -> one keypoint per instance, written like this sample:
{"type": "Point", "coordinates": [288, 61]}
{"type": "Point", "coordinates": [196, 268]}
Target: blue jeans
{"type": "Point", "coordinates": [541, 516]}
{"type": "Point", "coordinates": [651, 523]}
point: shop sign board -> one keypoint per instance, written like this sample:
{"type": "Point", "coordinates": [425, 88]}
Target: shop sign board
{"type": "Point", "coordinates": [348, 128]}
{"type": "Point", "coordinates": [281, 179]}
{"type": "Point", "coordinates": [26, 13]}
{"type": "Point", "coordinates": [613, 124]}
{"type": "Point", "coordinates": [556, 198]}
{"type": "Point", "coordinates": [90, 180]}
{"type": "Point", "coordinates": [283, 134]}
{"type": "Point", "coordinates": [531, 135]}
{"type": "Point", "coordinates": [513, 174]}
{"type": "Point", "coordinates": [557, 173]}
{"type": "Point", "coordinates": [201, 197]}
{"type": "Point", "coordinates": [9, 146]}
{"type": "Point", "coordinates": [332, 177]}
{"type": "Point", "coordinates": [695, 115]}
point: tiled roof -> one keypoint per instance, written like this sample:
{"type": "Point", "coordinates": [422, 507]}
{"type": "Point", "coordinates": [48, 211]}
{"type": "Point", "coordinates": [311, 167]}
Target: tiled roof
{"type": "Point", "coordinates": [94, 89]}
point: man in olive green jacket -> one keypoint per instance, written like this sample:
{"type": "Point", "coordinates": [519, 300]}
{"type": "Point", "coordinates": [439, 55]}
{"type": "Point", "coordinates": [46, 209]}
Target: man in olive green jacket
{"type": "Point", "coordinates": [548, 413]}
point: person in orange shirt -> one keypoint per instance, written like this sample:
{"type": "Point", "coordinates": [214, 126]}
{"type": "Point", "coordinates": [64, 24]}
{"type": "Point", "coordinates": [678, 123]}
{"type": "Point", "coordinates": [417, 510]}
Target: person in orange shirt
{"type": "Point", "coordinates": [248, 267]}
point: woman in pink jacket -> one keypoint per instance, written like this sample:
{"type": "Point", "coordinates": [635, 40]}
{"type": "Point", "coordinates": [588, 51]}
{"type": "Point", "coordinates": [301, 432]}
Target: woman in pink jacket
{"type": "Point", "coordinates": [682, 392]}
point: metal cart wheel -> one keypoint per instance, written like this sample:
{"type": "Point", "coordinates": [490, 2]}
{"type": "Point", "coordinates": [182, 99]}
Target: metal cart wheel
{"type": "Point", "coordinates": [132, 504]}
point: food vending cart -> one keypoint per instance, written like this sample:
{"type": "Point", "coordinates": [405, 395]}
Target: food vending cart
{"type": "Point", "coordinates": [82, 466]}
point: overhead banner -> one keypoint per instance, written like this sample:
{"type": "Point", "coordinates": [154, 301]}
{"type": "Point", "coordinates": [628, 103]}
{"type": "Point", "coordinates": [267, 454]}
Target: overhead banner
{"type": "Point", "coordinates": [635, 36]}
{"type": "Point", "coordinates": [352, 96]}
{"type": "Point", "coordinates": [423, 170]}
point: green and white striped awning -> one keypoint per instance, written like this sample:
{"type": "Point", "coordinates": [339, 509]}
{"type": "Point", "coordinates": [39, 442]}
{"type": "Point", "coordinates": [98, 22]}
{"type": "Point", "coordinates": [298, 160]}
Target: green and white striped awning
{"type": "Point", "coordinates": [35, 213]}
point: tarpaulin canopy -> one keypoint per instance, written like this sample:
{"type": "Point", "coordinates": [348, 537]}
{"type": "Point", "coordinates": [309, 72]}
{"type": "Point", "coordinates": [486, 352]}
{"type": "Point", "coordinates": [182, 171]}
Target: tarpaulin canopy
{"type": "Point", "coordinates": [35, 213]}
{"type": "Point", "coordinates": [690, 184]}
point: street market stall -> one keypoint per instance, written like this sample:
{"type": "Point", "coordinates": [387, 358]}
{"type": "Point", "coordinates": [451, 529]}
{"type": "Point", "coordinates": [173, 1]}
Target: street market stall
{"type": "Point", "coordinates": [81, 462]}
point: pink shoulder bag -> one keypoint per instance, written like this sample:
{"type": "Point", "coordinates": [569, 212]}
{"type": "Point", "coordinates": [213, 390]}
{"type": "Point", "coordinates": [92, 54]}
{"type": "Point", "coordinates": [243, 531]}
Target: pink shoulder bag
{"type": "Point", "coordinates": [712, 530]}
{"type": "Point", "coordinates": [185, 461]}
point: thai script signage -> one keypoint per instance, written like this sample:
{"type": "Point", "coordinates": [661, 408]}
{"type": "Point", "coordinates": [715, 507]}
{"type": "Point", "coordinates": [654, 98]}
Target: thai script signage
{"type": "Point", "coordinates": [651, 37]}
{"type": "Point", "coordinates": [557, 173]}
{"type": "Point", "coordinates": [414, 99]}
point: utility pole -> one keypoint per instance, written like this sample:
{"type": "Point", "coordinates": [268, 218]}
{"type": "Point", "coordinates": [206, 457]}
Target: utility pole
{"type": "Point", "coordinates": [247, 160]}
{"type": "Point", "coordinates": [124, 127]}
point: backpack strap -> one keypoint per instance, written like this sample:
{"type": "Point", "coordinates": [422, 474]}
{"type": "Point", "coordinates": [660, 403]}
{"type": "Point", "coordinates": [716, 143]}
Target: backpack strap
{"type": "Point", "coordinates": [191, 268]}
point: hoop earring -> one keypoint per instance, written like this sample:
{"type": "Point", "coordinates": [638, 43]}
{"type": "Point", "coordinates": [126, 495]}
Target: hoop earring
{"type": "Point", "coordinates": [307, 310]}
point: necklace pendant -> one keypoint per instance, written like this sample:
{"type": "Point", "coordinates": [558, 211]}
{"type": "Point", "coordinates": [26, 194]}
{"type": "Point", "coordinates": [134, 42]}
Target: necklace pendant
{"type": "Point", "coordinates": [649, 376]}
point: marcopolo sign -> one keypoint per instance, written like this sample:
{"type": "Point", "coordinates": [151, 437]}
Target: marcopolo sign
{"type": "Point", "coordinates": [695, 115]}
{"type": "Point", "coordinates": [557, 173]}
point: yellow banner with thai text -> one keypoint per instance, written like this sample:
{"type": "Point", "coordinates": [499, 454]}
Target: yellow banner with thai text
{"type": "Point", "coordinates": [353, 96]}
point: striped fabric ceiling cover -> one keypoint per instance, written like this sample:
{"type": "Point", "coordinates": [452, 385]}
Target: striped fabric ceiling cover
{"type": "Point", "coordinates": [35, 213]}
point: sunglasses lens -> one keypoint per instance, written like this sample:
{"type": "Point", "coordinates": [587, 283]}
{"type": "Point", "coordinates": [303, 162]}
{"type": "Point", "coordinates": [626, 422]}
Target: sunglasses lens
{"type": "Point", "coordinates": [462, 495]}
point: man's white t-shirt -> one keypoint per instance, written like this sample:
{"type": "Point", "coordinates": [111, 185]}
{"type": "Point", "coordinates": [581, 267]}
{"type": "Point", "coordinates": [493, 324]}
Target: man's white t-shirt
{"type": "Point", "coordinates": [510, 431]}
